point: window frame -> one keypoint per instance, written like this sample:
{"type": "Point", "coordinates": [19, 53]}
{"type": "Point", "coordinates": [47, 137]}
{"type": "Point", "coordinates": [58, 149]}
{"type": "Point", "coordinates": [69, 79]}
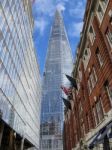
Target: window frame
{"type": "Point", "coordinates": [109, 91]}
{"type": "Point", "coordinates": [92, 34]}
{"type": "Point", "coordinates": [89, 86]}
{"type": "Point", "coordinates": [100, 112]}
{"type": "Point", "coordinates": [104, 6]}
{"type": "Point", "coordinates": [108, 32]}
{"type": "Point", "coordinates": [99, 57]}
{"type": "Point", "coordinates": [86, 57]}
{"type": "Point", "coordinates": [95, 115]}
{"type": "Point", "coordinates": [100, 15]}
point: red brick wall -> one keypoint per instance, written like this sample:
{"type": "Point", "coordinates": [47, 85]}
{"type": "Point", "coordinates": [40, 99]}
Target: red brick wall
{"type": "Point", "coordinates": [73, 125]}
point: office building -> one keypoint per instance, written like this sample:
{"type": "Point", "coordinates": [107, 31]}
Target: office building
{"type": "Point", "coordinates": [58, 63]}
{"type": "Point", "coordinates": [20, 84]}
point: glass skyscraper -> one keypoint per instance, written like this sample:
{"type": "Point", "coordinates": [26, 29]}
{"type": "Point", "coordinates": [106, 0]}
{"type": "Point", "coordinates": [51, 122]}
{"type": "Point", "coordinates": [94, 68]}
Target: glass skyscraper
{"type": "Point", "coordinates": [20, 84]}
{"type": "Point", "coordinates": [58, 63]}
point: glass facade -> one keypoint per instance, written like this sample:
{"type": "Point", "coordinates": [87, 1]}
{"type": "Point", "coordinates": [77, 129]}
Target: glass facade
{"type": "Point", "coordinates": [58, 63]}
{"type": "Point", "coordinates": [20, 87]}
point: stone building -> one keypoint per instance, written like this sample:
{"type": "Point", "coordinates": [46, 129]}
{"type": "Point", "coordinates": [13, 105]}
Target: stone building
{"type": "Point", "coordinates": [88, 124]}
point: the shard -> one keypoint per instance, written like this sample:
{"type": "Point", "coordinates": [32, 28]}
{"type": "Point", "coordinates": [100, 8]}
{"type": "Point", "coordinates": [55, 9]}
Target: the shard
{"type": "Point", "coordinates": [58, 63]}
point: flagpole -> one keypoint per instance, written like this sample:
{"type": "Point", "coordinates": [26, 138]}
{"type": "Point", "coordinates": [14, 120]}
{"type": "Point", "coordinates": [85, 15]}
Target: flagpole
{"type": "Point", "coordinates": [73, 77]}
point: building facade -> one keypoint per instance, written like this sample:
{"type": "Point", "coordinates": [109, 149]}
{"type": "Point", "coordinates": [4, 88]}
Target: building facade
{"type": "Point", "coordinates": [89, 124]}
{"type": "Point", "coordinates": [20, 86]}
{"type": "Point", "coordinates": [58, 63]}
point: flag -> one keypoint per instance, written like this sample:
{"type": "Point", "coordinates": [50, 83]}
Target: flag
{"type": "Point", "coordinates": [67, 91]}
{"type": "Point", "coordinates": [66, 103]}
{"type": "Point", "coordinates": [73, 81]}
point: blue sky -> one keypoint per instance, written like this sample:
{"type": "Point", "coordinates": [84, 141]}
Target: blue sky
{"type": "Point", "coordinates": [43, 13]}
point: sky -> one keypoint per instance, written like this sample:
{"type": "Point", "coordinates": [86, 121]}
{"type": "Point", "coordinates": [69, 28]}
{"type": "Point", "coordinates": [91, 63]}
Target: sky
{"type": "Point", "coordinates": [43, 13]}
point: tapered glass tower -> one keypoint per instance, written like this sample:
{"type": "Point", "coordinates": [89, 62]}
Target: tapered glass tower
{"type": "Point", "coordinates": [58, 62]}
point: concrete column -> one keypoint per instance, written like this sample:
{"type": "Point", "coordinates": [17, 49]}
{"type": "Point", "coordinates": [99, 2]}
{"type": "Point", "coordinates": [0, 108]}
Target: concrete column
{"type": "Point", "coordinates": [1, 131]}
{"type": "Point", "coordinates": [22, 144]}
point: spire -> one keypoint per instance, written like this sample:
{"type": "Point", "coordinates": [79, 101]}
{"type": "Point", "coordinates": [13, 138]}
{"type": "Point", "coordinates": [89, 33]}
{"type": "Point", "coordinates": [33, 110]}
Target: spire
{"type": "Point", "coordinates": [58, 17]}
{"type": "Point", "coordinates": [58, 13]}
{"type": "Point", "coordinates": [58, 57]}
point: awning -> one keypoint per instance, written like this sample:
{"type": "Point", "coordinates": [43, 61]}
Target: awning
{"type": "Point", "coordinates": [99, 137]}
{"type": "Point", "coordinates": [95, 137]}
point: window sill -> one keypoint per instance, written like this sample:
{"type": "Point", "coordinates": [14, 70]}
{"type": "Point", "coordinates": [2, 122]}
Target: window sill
{"type": "Point", "coordinates": [100, 122]}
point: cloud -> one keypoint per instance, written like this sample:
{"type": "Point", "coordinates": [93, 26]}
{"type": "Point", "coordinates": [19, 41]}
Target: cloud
{"type": "Point", "coordinates": [43, 11]}
{"type": "Point", "coordinates": [75, 29]}
{"type": "Point", "coordinates": [78, 10]}
{"type": "Point", "coordinates": [61, 6]}
{"type": "Point", "coordinates": [40, 25]}
{"type": "Point", "coordinates": [45, 7]}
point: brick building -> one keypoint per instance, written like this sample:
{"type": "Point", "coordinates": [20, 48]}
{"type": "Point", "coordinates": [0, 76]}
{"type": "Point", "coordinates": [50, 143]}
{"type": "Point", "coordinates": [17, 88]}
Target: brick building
{"type": "Point", "coordinates": [88, 124]}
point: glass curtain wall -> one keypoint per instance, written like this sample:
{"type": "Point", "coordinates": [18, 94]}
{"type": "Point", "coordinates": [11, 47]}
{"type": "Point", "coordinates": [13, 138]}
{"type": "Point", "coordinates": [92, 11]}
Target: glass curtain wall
{"type": "Point", "coordinates": [58, 62]}
{"type": "Point", "coordinates": [20, 86]}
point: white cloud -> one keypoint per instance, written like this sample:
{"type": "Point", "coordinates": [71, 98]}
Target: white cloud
{"type": "Point", "coordinates": [78, 10]}
{"type": "Point", "coordinates": [75, 29]}
{"type": "Point", "coordinates": [40, 25]}
{"type": "Point", "coordinates": [61, 7]}
{"type": "Point", "coordinates": [43, 10]}
{"type": "Point", "coordinates": [46, 7]}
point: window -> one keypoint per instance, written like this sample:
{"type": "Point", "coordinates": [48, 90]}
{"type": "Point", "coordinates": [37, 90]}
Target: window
{"type": "Point", "coordinates": [99, 110]}
{"type": "Point", "coordinates": [109, 36]}
{"type": "Point", "coordinates": [89, 86]}
{"type": "Point", "coordinates": [95, 75]}
{"type": "Point", "coordinates": [92, 78]}
{"type": "Point", "coordinates": [100, 13]}
{"type": "Point", "coordinates": [83, 129]}
{"type": "Point", "coordinates": [45, 144]}
{"type": "Point", "coordinates": [86, 57]}
{"type": "Point", "coordinates": [95, 116]}
{"type": "Point", "coordinates": [104, 3]}
{"type": "Point", "coordinates": [50, 143]}
{"type": "Point", "coordinates": [91, 34]}
{"type": "Point", "coordinates": [109, 91]}
{"type": "Point", "coordinates": [99, 58]}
